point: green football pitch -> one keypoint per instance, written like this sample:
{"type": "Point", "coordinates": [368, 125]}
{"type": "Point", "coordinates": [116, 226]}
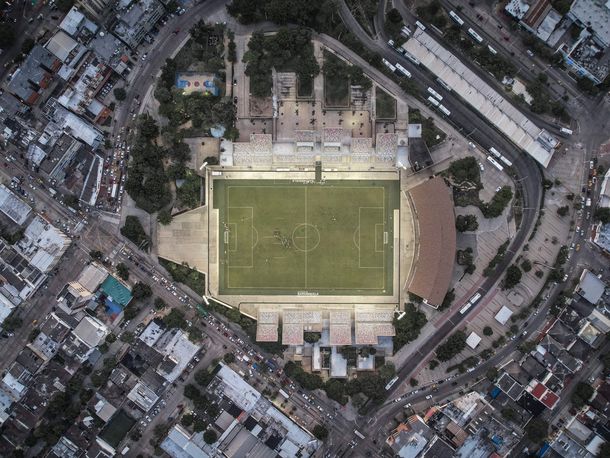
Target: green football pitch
{"type": "Point", "coordinates": [283, 237]}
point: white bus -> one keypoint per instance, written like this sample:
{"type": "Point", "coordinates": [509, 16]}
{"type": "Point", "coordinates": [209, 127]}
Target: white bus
{"type": "Point", "coordinates": [391, 383]}
{"type": "Point", "coordinates": [495, 163]}
{"type": "Point", "coordinates": [405, 31]}
{"type": "Point", "coordinates": [433, 101]}
{"type": "Point", "coordinates": [474, 299]}
{"type": "Point", "coordinates": [411, 57]}
{"type": "Point", "coordinates": [435, 94]}
{"type": "Point", "coordinates": [283, 393]}
{"type": "Point", "coordinates": [475, 35]}
{"type": "Point", "coordinates": [456, 18]}
{"type": "Point", "coordinates": [420, 25]}
{"type": "Point", "coordinates": [403, 70]}
{"type": "Point", "coordinates": [495, 152]}
{"type": "Point", "coordinates": [566, 132]}
{"type": "Point", "coordinates": [492, 50]}
{"type": "Point", "coordinates": [445, 111]}
{"type": "Point", "coordinates": [389, 65]}
{"type": "Point", "coordinates": [359, 434]}
{"type": "Point", "coordinates": [506, 161]}
{"type": "Point", "coordinates": [442, 83]}
{"type": "Point", "coordinates": [465, 308]}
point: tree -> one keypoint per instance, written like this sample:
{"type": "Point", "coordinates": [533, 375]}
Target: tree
{"type": "Point", "coordinates": [582, 393]}
{"type": "Point", "coordinates": [513, 276]}
{"type": "Point", "coordinates": [320, 432]}
{"type": "Point", "coordinates": [64, 5]}
{"type": "Point", "coordinates": [187, 420]}
{"type": "Point", "coordinates": [27, 45]}
{"type": "Point", "coordinates": [509, 414]}
{"type": "Point", "coordinates": [7, 35]}
{"type": "Point", "coordinates": [175, 319]}
{"type": "Point", "coordinates": [191, 391]}
{"type": "Point", "coordinates": [127, 337]}
{"type": "Point", "coordinates": [119, 94]}
{"type": "Point", "coordinates": [563, 211]}
{"type": "Point", "coordinates": [465, 223]}
{"type": "Point", "coordinates": [492, 374]}
{"type": "Point", "coordinates": [452, 346]}
{"type": "Point", "coordinates": [603, 214]}
{"type": "Point", "coordinates": [141, 291]}
{"type": "Point", "coordinates": [199, 425]}
{"type": "Point", "coordinates": [12, 322]}
{"type": "Point", "coordinates": [229, 358]}
{"type": "Point", "coordinates": [526, 265]}
{"type": "Point", "coordinates": [72, 201]}
{"type": "Point", "coordinates": [487, 331]}
{"type": "Point", "coordinates": [409, 326]}
{"type": "Point", "coordinates": [210, 436]}
{"type": "Point", "coordinates": [159, 303]}
{"type": "Point", "coordinates": [122, 270]}
{"type": "Point", "coordinates": [311, 337]}
{"type": "Point", "coordinates": [96, 254]}
{"type": "Point", "coordinates": [165, 217]}
{"type": "Point", "coordinates": [527, 346]}
{"type": "Point", "coordinates": [413, 382]}
{"type": "Point", "coordinates": [130, 312]}
{"type": "Point", "coordinates": [135, 232]}
{"type": "Point", "coordinates": [111, 338]}
{"type": "Point", "coordinates": [537, 430]}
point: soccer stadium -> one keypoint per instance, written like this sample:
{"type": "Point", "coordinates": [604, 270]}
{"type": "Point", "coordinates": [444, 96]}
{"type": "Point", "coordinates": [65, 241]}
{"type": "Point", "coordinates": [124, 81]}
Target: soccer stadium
{"type": "Point", "coordinates": [324, 229]}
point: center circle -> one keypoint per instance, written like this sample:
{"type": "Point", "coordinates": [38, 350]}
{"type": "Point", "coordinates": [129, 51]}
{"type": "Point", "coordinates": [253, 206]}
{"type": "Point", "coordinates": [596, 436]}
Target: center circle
{"type": "Point", "coordinates": [305, 237]}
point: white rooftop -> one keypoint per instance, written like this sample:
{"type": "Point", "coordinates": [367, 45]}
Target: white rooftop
{"type": "Point", "coordinates": [503, 315]}
{"type": "Point", "coordinates": [473, 340]}
{"type": "Point", "coordinates": [151, 334]}
{"type": "Point", "coordinates": [12, 206]}
{"type": "Point", "coordinates": [492, 105]}
{"type": "Point", "coordinates": [237, 389]}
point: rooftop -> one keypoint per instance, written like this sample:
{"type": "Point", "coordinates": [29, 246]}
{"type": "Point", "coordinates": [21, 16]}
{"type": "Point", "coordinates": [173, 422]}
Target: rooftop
{"type": "Point", "coordinates": [91, 331]}
{"type": "Point", "coordinates": [437, 240]}
{"type": "Point", "coordinates": [590, 287]}
{"type": "Point", "coordinates": [12, 206]}
{"type": "Point", "coordinates": [595, 15]}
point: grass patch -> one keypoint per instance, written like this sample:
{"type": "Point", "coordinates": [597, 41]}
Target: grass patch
{"type": "Point", "coordinates": [279, 237]}
{"type": "Point", "coordinates": [385, 105]}
{"type": "Point", "coordinates": [336, 92]}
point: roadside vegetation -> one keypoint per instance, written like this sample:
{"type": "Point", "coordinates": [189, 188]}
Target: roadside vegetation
{"type": "Point", "coordinates": [182, 273]}
{"type": "Point", "coordinates": [134, 231]}
{"type": "Point", "coordinates": [453, 346]}
{"type": "Point", "coordinates": [409, 326]}
{"type": "Point", "coordinates": [147, 182]}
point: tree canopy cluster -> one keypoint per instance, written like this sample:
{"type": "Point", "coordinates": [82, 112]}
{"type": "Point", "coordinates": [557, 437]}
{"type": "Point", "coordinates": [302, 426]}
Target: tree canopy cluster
{"type": "Point", "coordinates": [452, 346]}
{"type": "Point", "coordinates": [371, 385]}
{"type": "Point", "coordinates": [334, 68]}
{"type": "Point", "coordinates": [465, 223]}
{"type": "Point", "coordinates": [184, 274]}
{"type": "Point", "coordinates": [498, 203]}
{"type": "Point", "coordinates": [465, 170]}
{"type": "Point", "coordinates": [287, 50]}
{"type": "Point", "coordinates": [134, 231]}
{"type": "Point", "coordinates": [513, 276]}
{"type": "Point", "coordinates": [307, 13]}
{"type": "Point", "coordinates": [409, 327]}
{"type": "Point", "coordinates": [147, 182]}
